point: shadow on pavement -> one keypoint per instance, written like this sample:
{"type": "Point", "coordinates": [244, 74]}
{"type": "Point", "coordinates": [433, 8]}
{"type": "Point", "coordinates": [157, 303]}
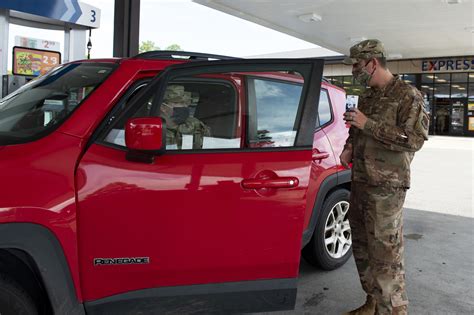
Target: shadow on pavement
{"type": "Point", "coordinates": [439, 259]}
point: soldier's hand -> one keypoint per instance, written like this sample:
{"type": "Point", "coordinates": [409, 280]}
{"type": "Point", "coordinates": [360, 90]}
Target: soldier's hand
{"type": "Point", "coordinates": [355, 118]}
{"type": "Point", "coordinates": [346, 157]}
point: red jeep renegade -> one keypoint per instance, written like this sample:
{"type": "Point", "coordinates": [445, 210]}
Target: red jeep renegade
{"type": "Point", "coordinates": [156, 184]}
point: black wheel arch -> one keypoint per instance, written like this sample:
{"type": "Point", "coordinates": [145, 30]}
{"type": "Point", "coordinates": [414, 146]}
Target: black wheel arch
{"type": "Point", "coordinates": [341, 179]}
{"type": "Point", "coordinates": [41, 253]}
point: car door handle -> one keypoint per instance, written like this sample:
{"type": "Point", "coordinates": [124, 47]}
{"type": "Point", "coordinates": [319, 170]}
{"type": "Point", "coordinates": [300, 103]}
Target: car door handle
{"type": "Point", "coordinates": [320, 156]}
{"type": "Point", "coordinates": [280, 182]}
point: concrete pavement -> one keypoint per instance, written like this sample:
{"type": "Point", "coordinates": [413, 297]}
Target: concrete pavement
{"type": "Point", "coordinates": [443, 177]}
{"type": "Point", "coordinates": [439, 251]}
{"type": "Point", "coordinates": [439, 241]}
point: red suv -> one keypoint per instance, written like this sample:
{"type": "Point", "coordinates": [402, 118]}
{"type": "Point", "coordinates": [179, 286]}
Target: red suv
{"type": "Point", "coordinates": [155, 184]}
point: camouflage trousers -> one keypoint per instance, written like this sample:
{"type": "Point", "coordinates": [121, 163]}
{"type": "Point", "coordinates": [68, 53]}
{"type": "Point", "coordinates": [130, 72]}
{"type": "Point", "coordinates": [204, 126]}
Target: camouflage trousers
{"type": "Point", "coordinates": [376, 222]}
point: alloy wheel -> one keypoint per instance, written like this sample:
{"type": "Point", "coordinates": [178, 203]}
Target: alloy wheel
{"type": "Point", "coordinates": [337, 232]}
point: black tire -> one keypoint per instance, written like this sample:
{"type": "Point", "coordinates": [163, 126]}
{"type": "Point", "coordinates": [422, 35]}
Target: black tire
{"type": "Point", "coordinates": [14, 300]}
{"type": "Point", "coordinates": [315, 252]}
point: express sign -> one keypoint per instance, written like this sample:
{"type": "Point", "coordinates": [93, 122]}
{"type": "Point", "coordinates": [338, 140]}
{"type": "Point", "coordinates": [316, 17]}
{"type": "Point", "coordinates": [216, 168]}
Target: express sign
{"type": "Point", "coordinates": [463, 64]}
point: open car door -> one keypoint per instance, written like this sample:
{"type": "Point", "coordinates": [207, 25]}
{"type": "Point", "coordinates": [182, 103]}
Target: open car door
{"type": "Point", "coordinates": [213, 221]}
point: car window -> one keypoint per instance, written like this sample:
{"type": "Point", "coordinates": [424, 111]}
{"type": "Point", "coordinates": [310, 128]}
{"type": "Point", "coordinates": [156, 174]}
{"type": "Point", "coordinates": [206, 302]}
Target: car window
{"type": "Point", "coordinates": [273, 112]}
{"type": "Point", "coordinates": [199, 113]}
{"type": "Point", "coordinates": [46, 102]}
{"type": "Point", "coordinates": [324, 109]}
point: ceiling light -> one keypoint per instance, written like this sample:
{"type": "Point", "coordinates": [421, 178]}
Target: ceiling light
{"type": "Point", "coordinates": [471, 75]}
{"type": "Point", "coordinates": [430, 76]}
{"type": "Point", "coordinates": [455, 85]}
{"type": "Point", "coordinates": [425, 86]}
{"type": "Point", "coordinates": [441, 80]}
{"type": "Point", "coordinates": [310, 17]}
{"type": "Point", "coordinates": [407, 81]}
{"type": "Point", "coordinates": [453, 1]}
{"type": "Point", "coordinates": [461, 88]}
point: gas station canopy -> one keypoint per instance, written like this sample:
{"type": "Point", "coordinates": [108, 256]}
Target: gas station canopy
{"type": "Point", "coordinates": [409, 29]}
{"type": "Point", "coordinates": [54, 12]}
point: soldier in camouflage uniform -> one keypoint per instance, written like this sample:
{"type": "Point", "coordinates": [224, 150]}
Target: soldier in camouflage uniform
{"type": "Point", "coordinates": [389, 125]}
{"type": "Point", "coordinates": [176, 113]}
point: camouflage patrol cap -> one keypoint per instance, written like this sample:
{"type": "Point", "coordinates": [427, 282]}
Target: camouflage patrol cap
{"type": "Point", "coordinates": [366, 49]}
{"type": "Point", "coordinates": [174, 94]}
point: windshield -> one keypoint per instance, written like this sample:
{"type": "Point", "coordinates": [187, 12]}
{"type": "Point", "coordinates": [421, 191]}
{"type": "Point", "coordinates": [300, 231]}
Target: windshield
{"type": "Point", "coordinates": [44, 103]}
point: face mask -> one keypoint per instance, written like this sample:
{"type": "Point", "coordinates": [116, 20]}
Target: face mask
{"type": "Point", "coordinates": [362, 76]}
{"type": "Point", "coordinates": [180, 114]}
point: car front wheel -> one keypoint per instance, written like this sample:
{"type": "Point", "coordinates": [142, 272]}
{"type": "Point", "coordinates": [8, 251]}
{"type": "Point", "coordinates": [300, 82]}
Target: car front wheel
{"type": "Point", "coordinates": [13, 299]}
{"type": "Point", "coordinates": [331, 244]}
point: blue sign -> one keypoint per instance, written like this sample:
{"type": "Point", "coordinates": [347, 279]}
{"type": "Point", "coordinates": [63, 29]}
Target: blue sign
{"type": "Point", "coordinates": [71, 11]}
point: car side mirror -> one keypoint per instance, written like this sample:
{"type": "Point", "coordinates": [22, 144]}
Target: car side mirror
{"type": "Point", "coordinates": [145, 137]}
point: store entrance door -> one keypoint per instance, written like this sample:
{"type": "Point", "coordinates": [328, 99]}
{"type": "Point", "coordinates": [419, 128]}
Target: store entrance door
{"type": "Point", "coordinates": [442, 116]}
{"type": "Point", "coordinates": [458, 107]}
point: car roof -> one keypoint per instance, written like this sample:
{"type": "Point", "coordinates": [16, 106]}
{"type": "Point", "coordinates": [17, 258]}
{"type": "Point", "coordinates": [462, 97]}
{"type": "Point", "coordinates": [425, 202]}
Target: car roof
{"type": "Point", "coordinates": [167, 57]}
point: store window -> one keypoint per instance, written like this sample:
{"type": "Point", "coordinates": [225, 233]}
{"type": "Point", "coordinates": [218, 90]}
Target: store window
{"type": "Point", "coordinates": [427, 78]}
{"type": "Point", "coordinates": [427, 92]}
{"type": "Point", "coordinates": [442, 78]}
{"type": "Point", "coordinates": [410, 79]}
{"type": "Point", "coordinates": [470, 106]}
{"type": "Point", "coordinates": [459, 90]}
{"type": "Point", "coordinates": [442, 108]}
{"type": "Point", "coordinates": [459, 77]}
{"type": "Point", "coordinates": [338, 81]}
{"type": "Point", "coordinates": [441, 91]}
{"type": "Point", "coordinates": [348, 81]}
{"type": "Point", "coordinates": [448, 98]}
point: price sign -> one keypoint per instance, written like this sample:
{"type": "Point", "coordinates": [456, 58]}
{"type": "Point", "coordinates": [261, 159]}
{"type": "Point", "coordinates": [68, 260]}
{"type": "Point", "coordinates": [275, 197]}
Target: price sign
{"type": "Point", "coordinates": [34, 62]}
{"type": "Point", "coordinates": [37, 43]}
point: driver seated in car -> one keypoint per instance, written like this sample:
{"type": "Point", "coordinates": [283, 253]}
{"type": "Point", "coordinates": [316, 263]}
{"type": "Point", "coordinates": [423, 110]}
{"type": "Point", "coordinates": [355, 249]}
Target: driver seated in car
{"type": "Point", "coordinates": [177, 115]}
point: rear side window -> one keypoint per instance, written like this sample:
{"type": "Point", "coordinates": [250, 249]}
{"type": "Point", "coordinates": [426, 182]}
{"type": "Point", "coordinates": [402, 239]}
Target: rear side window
{"type": "Point", "coordinates": [324, 109]}
{"type": "Point", "coordinates": [43, 104]}
{"type": "Point", "coordinates": [273, 112]}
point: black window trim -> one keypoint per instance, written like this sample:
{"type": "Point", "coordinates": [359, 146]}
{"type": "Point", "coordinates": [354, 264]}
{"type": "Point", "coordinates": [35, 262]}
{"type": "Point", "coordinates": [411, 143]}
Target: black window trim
{"type": "Point", "coordinates": [215, 151]}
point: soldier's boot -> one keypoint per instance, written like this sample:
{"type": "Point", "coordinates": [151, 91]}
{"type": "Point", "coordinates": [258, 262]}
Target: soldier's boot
{"type": "Point", "coordinates": [367, 309]}
{"type": "Point", "coordinates": [400, 310]}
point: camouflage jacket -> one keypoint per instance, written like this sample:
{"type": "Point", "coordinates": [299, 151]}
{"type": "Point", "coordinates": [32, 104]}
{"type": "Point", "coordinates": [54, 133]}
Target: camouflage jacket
{"type": "Point", "coordinates": [397, 126]}
{"type": "Point", "coordinates": [192, 126]}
